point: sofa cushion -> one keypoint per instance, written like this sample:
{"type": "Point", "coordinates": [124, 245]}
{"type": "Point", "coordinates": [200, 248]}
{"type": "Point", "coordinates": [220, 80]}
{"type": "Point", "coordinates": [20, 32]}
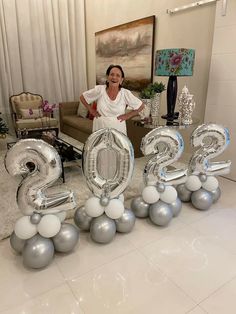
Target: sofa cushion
{"type": "Point", "coordinates": [82, 111]}
{"type": "Point", "coordinates": [36, 123]}
{"type": "Point", "coordinates": [79, 123]}
{"type": "Point", "coordinates": [26, 104]}
{"type": "Point", "coordinates": [30, 113]}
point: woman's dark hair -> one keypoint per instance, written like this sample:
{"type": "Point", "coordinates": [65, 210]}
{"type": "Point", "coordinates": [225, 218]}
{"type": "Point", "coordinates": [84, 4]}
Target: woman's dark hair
{"type": "Point", "coordinates": [114, 66]}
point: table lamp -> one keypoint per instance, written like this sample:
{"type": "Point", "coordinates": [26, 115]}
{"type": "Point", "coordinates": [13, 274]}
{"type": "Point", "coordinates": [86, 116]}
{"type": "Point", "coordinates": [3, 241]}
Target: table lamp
{"type": "Point", "coordinates": [173, 62]}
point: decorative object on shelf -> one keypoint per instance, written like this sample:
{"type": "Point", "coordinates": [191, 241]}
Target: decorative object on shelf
{"type": "Point", "coordinates": [202, 187]}
{"type": "Point", "coordinates": [104, 213]}
{"type": "Point", "coordinates": [159, 198]}
{"type": "Point", "coordinates": [186, 106]}
{"type": "Point", "coordinates": [3, 128]}
{"type": "Point", "coordinates": [151, 99]}
{"type": "Point", "coordinates": [173, 62]}
{"type": "Point", "coordinates": [42, 230]}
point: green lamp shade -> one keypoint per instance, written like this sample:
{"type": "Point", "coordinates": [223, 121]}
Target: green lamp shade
{"type": "Point", "coordinates": [176, 61]}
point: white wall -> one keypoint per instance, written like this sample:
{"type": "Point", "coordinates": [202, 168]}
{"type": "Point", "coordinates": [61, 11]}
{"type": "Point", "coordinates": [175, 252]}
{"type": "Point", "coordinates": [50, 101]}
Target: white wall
{"type": "Point", "coordinates": [221, 98]}
{"type": "Point", "coordinates": [190, 29]}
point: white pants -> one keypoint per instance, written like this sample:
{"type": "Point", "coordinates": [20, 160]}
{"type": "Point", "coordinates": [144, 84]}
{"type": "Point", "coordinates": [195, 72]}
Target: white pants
{"type": "Point", "coordinates": [109, 122]}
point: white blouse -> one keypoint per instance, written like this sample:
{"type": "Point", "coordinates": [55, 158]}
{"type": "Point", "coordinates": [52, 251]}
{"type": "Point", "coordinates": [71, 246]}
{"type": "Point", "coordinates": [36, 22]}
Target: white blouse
{"type": "Point", "coordinates": [111, 109]}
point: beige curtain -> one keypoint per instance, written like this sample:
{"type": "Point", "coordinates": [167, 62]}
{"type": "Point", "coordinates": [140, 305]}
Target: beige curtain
{"type": "Point", "coordinates": [42, 49]}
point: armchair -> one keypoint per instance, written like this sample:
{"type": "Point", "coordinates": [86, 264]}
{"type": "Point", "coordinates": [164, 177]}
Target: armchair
{"type": "Point", "coordinates": [28, 115]}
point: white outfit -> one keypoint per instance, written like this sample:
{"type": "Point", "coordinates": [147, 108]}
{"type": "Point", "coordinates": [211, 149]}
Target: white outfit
{"type": "Point", "coordinates": [111, 109]}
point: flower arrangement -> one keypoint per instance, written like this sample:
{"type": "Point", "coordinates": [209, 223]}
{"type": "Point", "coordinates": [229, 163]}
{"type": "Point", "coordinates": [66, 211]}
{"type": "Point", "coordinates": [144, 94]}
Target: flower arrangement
{"type": "Point", "coordinates": [152, 89]}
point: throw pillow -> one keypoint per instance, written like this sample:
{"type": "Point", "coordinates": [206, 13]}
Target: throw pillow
{"type": "Point", "coordinates": [82, 111]}
{"type": "Point", "coordinates": [30, 113]}
{"type": "Point", "coordinates": [26, 104]}
{"type": "Point", "coordinates": [94, 106]}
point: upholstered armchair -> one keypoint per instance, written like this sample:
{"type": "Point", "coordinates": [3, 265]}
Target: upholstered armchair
{"type": "Point", "coordinates": [28, 114]}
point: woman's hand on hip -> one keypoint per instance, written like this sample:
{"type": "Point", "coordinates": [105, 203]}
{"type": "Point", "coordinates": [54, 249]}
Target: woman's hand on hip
{"type": "Point", "coordinates": [123, 117]}
{"type": "Point", "coordinates": [94, 112]}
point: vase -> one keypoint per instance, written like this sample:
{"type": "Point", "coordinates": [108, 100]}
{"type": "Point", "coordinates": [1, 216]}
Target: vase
{"type": "Point", "coordinates": [155, 108]}
{"type": "Point", "coordinates": [145, 113]}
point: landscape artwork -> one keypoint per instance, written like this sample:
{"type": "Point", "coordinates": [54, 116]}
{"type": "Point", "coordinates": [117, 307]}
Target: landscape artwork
{"type": "Point", "coordinates": [131, 46]}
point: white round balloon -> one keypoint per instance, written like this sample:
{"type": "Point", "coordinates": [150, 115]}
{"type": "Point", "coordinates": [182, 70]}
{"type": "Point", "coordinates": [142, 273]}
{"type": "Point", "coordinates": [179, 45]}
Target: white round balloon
{"type": "Point", "coordinates": [24, 229]}
{"type": "Point", "coordinates": [150, 194]}
{"type": "Point", "coordinates": [169, 195]}
{"type": "Point", "coordinates": [93, 208]}
{"type": "Point", "coordinates": [121, 197]}
{"type": "Point", "coordinates": [115, 209]}
{"type": "Point", "coordinates": [211, 183]}
{"type": "Point", "coordinates": [193, 183]}
{"type": "Point", "coordinates": [49, 226]}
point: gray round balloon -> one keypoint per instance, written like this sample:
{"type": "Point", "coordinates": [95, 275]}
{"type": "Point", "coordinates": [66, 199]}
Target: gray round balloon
{"type": "Point", "coordinates": [216, 194]}
{"type": "Point", "coordinates": [126, 222]}
{"type": "Point", "coordinates": [35, 218]}
{"type": "Point", "coordinates": [16, 243]}
{"type": "Point", "coordinates": [103, 229]}
{"type": "Point", "coordinates": [139, 207]}
{"type": "Point", "coordinates": [81, 219]}
{"type": "Point", "coordinates": [183, 193]}
{"type": "Point", "coordinates": [160, 213]}
{"type": "Point", "coordinates": [66, 239]}
{"type": "Point", "coordinates": [176, 207]}
{"type": "Point", "coordinates": [38, 252]}
{"type": "Point", "coordinates": [202, 199]}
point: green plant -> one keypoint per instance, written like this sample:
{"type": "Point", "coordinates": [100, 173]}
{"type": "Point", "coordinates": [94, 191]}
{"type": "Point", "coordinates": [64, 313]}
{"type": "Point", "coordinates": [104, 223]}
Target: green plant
{"type": "Point", "coordinates": [152, 89]}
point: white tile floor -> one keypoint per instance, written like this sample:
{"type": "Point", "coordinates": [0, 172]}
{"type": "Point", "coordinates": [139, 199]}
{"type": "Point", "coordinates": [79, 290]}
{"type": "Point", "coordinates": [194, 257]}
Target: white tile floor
{"type": "Point", "coordinates": [187, 267]}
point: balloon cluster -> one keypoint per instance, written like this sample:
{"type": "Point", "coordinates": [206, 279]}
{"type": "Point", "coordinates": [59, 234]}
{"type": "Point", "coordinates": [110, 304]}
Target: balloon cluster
{"type": "Point", "coordinates": [159, 198]}
{"type": "Point", "coordinates": [202, 187]}
{"type": "Point", "coordinates": [201, 190]}
{"type": "Point", "coordinates": [104, 213]}
{"type": "Point", "coordinates": [42, 230]}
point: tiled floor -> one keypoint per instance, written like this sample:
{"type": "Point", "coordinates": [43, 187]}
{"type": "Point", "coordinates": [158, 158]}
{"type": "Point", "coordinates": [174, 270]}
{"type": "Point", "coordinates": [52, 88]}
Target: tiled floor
{"type": "Point", "coordinates": [187, 267]}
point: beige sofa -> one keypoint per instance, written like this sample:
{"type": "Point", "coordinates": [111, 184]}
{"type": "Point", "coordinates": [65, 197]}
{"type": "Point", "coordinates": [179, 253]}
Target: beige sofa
{"type": "Point", "coordinates": [80, 128]}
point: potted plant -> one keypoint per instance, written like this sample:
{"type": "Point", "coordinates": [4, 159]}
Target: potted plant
{"type": "Point", "coordinates": [150, 96]}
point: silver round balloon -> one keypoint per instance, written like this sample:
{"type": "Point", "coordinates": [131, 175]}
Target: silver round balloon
{"type": "Point", "coordinates": [126, 222]}
{"type": "Point", "coordinates": [122, 149]}
{"type": "Point", "coordinates": [183, 193]}
{"type": "Point", "coordinates": [38, 252]}
{"type": "Point", "coordinates": [66, 239]}
{"type": "Point", "coordinates": [81, 219]}
{"type": "Point", "coordinates": [31, 194]}
{"type": "Point", "coordinates": [160, 213]}
{"type": "Point", "coordinates": [202, 199]}
{"type": "Point", "coordinates": [176, 207]}
{"type": "Point", "coordinates": [139, 207]}
{"type": "Point", "coordinates": [16, 243]}
{"type": "Point", "coordinates": [216, 194]}
{"type": "Point", "coordinates": [212, 139]}
{"type": "Point", "coordinates": [103, 229]}
{"type": "Point", "coordinates": [35, 218]}
{"type": "Point", "coordinates": [156, 168]}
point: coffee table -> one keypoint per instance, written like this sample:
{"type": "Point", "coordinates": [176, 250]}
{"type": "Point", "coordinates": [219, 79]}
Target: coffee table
{"type": "Point", "coordinates": [70, 154]}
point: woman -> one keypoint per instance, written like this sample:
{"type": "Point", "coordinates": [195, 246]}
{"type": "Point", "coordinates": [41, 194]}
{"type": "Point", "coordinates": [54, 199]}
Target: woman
{"type": "Point", "coordinates": [111, 100]}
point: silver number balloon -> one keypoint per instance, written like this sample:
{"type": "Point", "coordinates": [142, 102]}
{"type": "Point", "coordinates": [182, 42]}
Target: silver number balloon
{"type": "Point", "coordinates": [45, 165]}
{"type": "Point", "coordinates": [165, 146]}
{"type": "Point", "coordinates": [122, 150]}
{"type": "Point", "coordinates": [213, 140]}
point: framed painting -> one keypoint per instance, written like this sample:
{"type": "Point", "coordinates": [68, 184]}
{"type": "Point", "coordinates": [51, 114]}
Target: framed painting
{"type": "Point", "coordinates": [131, 46]}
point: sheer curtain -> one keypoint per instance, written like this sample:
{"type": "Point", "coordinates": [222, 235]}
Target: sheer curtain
{"type": "Point", "coordinates": [42, 49]}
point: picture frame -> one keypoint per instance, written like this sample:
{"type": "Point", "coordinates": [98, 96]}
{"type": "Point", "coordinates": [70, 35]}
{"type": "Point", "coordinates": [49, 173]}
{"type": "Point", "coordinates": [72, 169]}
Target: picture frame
{"type": "Point", "coordinates": [130, 45]}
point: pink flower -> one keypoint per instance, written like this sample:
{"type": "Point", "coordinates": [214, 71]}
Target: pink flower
{"type": "Point", "coordinates": [175, 60]}
{"type": "Point", "coordinates": [30, 111]}
{"type": "Point", "coordinates": [48, 107]}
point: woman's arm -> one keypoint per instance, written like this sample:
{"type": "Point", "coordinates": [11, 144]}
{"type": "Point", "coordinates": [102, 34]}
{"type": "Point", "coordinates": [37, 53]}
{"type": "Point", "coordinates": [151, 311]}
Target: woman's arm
{"type": "Point", "coordinates": [91, 110]}
{"type": "Point", "coordinates": [131, 114]}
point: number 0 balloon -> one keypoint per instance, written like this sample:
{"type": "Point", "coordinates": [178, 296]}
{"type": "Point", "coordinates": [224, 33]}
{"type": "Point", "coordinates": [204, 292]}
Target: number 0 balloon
{"type": "Point", "coordinates": [123, 159]}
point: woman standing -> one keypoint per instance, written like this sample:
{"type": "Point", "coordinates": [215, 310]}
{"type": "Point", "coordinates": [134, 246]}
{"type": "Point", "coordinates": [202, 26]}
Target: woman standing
{"type": "Point", "coordinates": [112, 100]}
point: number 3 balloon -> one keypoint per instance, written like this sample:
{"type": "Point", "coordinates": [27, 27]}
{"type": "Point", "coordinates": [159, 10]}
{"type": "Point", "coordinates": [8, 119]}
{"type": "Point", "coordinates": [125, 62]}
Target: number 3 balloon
{"type": "Point", "coordinates": [40, 165]}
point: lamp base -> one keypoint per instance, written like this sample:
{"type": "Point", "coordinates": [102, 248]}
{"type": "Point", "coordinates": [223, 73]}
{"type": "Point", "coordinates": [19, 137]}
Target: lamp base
{"type": "Point", "coordinates": [171, 117]}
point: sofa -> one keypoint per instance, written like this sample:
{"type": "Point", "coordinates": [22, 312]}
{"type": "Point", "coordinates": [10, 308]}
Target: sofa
{"type": "Point", "coordinates": [74, 122]}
